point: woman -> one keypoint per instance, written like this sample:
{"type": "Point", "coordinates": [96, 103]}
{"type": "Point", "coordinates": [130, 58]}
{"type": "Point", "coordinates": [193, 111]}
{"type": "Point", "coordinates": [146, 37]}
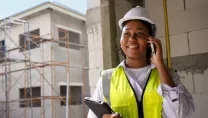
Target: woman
{"type": "Point", "coordinates": [142, 86]}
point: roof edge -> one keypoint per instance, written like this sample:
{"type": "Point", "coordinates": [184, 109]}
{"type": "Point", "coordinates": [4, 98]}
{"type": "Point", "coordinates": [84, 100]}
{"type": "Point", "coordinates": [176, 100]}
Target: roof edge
{"type": "Point", "coordinates": [54, 5]}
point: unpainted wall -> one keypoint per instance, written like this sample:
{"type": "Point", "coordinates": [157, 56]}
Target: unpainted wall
{"type": "Point", "coordinates": [78, 59]}
{"type": "Point", "coordinates": [188, 38]}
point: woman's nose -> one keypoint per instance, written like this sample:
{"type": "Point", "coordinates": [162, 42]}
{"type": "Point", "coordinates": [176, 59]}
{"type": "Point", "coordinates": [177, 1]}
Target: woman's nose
{"type": "Point", "coordinates": [133, 37]}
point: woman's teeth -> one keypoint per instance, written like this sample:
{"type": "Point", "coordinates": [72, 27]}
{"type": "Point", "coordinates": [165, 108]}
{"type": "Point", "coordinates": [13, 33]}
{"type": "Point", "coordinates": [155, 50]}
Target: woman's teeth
{"type": "Point", "coordinates": [133, 46]}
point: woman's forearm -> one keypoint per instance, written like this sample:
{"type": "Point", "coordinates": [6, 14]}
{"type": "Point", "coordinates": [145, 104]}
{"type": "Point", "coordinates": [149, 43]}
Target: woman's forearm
{"type": "Point", "coordinates": [165, 77]}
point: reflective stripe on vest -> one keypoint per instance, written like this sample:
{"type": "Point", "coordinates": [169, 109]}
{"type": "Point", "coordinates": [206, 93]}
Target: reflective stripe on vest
{"type": "Point", "coordinates": [123, 100]}
{"type": "Point", "coordinates": [106, 77]}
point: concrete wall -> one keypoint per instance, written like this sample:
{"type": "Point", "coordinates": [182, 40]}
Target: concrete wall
{"type": "Point", "coordinates": [95, 49]}
{"type": "Point", "coordinates": [77, 59]}
{"type": "Point", "coordinates": [188, 38]}
{"type": "Point", "coordinates": [14, 33]}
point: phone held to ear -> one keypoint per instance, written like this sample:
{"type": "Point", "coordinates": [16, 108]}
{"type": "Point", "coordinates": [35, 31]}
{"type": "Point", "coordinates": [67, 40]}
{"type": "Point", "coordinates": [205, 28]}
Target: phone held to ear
{"type": "Point", "coordinates": [152, 48]}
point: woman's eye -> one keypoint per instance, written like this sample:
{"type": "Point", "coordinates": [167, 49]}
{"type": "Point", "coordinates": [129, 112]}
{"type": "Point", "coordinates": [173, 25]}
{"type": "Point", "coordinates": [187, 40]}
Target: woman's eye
{"type": "Point", "coordinates": [140, 33]}
{"type": "Point", "coordinates": [126, 34]}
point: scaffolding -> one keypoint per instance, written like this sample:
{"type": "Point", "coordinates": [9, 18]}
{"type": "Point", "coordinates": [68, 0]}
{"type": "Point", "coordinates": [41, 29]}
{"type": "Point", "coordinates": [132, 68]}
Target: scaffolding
{"type": "Point", "coordinates": [8, 63]}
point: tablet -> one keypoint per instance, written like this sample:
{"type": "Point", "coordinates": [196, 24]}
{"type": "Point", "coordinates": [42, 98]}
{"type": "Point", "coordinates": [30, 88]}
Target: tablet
{"type": "Point", "coordinates": [98, 107]}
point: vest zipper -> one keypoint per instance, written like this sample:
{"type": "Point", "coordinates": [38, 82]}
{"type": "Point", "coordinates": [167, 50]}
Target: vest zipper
{"type": "Point", "coordinates": [140, 104]}
{"type": "Point", "coordinates": [134, 95]}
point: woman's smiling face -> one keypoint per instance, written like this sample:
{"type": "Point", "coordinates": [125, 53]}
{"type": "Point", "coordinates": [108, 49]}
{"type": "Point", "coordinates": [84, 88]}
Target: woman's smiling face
{"type": "Point", "coordinates": [134, 39]}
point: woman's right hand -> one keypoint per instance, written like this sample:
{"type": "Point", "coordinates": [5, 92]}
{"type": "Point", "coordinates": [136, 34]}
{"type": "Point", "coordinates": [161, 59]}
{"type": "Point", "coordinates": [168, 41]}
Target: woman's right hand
{"type": "Point", "coordinates": [112, 115]}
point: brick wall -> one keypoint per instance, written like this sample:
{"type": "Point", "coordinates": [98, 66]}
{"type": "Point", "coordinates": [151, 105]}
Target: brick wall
{"type": "Point", "coordinates": [188, 26]}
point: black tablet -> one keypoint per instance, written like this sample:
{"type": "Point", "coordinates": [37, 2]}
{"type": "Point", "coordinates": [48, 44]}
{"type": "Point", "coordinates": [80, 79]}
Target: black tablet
{"type": "Point", "coordinates": [98, 107]}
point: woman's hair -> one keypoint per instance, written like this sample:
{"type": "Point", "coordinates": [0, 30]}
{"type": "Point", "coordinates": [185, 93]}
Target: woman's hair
{"type": "Point", "coordinates": [151, 33]}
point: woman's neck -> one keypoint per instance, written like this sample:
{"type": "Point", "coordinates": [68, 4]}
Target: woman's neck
{"type": "Point", "coordinates": [135, 63]}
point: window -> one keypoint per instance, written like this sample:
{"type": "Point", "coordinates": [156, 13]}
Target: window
{"type": "Point", "coordinates": [69, 36]}
{"type": "Point", "coordinates": [35, 94]}
{"type": "Point", "coordinates": [34, 40]}
{"type": "Point", "coordinates": [76, 95]}
{"type": "Point", "coordinates": [2, 49]}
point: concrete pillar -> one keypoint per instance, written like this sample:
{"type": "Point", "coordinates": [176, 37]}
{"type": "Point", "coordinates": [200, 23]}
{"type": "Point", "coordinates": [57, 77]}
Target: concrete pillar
{"type": "Point", "coordinates": [136, 2]}
{"type": "Point", "coordinates": [101, 31]}
{"type": "Point", "coordinates": [108, 21]}
{"type": "Point", "coordinates": [95, 46]}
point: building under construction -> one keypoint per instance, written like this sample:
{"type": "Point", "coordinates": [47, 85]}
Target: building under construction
{"type": "Point", "coordinates": [43, 61]}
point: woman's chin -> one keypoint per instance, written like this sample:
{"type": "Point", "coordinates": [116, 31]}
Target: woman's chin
{"type": "Point", "coordinates": [133, 56]}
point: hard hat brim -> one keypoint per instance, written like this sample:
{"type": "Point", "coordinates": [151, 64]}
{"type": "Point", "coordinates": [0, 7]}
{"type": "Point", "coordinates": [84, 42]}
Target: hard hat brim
{"type": "Point", "coordinates": [121, 21]}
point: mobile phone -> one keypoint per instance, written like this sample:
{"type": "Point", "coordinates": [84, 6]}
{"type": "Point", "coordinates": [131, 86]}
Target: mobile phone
{"type": "Point", "coordinates": [152, 48]}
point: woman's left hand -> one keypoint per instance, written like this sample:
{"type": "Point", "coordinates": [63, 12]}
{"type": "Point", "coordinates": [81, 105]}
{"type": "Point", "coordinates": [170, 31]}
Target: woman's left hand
{"type": "Point", "coordinates": [157, 59]}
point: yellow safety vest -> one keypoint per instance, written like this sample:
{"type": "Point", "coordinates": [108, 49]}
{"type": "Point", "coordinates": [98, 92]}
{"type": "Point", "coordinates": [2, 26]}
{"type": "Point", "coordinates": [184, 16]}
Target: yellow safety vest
{"type": "Point", "coordinates": [124, 100]}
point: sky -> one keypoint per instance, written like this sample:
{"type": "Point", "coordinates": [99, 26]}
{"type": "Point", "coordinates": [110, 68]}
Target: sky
{"type": "Point", "coordinates": [10, 7]}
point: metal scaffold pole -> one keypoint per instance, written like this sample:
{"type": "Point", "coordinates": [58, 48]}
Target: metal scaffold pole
{"type": "Point", "coordinates": [6, 77]}
{"type": "Point", "coordinates": [29, 70]}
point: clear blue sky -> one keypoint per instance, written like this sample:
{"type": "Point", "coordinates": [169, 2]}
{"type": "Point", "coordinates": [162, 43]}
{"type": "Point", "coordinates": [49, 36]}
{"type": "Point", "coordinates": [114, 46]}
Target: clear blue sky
{"type": "Point", "coordinates": [10, 7]}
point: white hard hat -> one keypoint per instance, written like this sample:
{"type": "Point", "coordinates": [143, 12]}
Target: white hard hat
{"type": "Point", "coordinates": [137, 13]}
